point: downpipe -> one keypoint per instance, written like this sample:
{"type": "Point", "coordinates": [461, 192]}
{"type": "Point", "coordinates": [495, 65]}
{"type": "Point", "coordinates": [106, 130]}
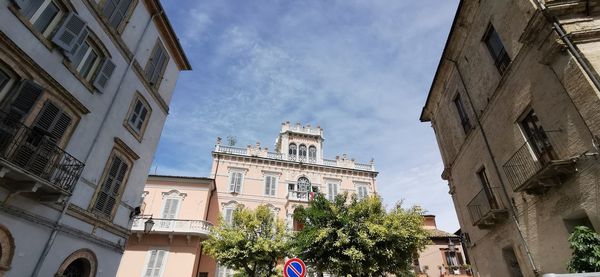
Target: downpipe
{"type": "Point", "coordinates": [58, 224]}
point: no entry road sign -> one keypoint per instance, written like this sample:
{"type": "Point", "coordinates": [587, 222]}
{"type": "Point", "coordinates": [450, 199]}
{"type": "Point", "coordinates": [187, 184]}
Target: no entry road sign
{"type": "Point", "coordinates": [294, 268]}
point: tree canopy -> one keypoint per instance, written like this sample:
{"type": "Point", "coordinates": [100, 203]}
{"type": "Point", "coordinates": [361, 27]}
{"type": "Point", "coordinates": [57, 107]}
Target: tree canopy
{"type": "Point", "coordinates": [586, 250]}
{"type": "Point", "coordinates": [253, 243]}
{"type": "Point", "coordinates": [358, 238]}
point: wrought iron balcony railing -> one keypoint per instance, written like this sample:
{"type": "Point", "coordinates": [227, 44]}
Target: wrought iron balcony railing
{"type": "Point", "coordinates": [486, 208]}
{"type": "Point", "coordinates": [35, 152]}
{"type": "Point", "coordinates": [526, 172]}
{"type": "Point", "coordinates": [175, 226]}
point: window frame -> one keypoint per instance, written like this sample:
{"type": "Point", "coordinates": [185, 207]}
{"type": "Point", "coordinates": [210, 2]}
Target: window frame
{"type": "Point", "coordinates": [163, 262]}
{"type": "Point", "coordinates": [115, 152]}
{"type": "Point", "coordinates": [96, 44]}
{"type": "Point", "coordinates": [138, 134]}
{"type": "Point", "coordinates": [463, 115]}
{"type": "Point", "coordinates": [121, 26]}
{"type": "Point", "coordinates": [501, 59]}
{"type": "Point", "coordinates": [158, 45]}
{"type": "Point", "coordinates": [232, 172]}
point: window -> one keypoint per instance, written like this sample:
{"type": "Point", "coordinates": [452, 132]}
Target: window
{"type": "Point", "coordinates": [487, 188]}
{"type": "Point", "coordinates": [292, 151]}
{"type": "Point", "coordinates": [235, 181]}
{"type": "Point", "coordinates": [116, 11]}
{"type": "Point", "coordinates": [332, 191]}
{"type": "Point", "coordinates": [228, 215]}
{"type": "Point", "coordinates": [361, 191]}
{"type": "Point", "coordinates": [453, 258]}
{"type": "Point", "coordinates": [156, 262]}
{"type": "Point", "coordinates": [139, 113]}
{"type": "Point", "coordinates": [170, 210]}
{"type": "Point", "coordinates": [462, 114]}
{"type": "Point", "coordinates": [496, 48]}
{"type": "Point", "coordinates": [312, 154]}
{"type": "Point", "coordinates": [302, 152]}
{"type": "Point", "coordinates": [87, 59]}
{"type": "Point", "coordinates": [44, 15]}
{"type": "Point", "coordinates": [111, 186]}
{"type": "Point", "coordinates": [225, 272]}
{"type": "Point", "coordinates": [270, 185]}
{"type": "Point", "coordinates": [156, 65]}
{"type": "Point", "coordinates": [537, 138]}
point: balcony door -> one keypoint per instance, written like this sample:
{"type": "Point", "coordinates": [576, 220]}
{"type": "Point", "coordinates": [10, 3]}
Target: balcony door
{"type": "Point", "coordinates": [169, 211]}
{"type": "Point", "coordinates": [537, 138]}
{"type": "Point", "coordinates": [487, 188]}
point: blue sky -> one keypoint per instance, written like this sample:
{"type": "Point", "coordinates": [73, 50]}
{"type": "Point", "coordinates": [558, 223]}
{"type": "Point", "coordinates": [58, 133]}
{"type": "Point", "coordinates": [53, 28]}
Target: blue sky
{"type": "Point", "coordinates": [360, 69]}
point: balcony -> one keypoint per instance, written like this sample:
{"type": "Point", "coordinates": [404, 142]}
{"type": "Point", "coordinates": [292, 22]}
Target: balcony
{"type": "Point", "coordinates": [33, 164]}
{"type": "Point", "coordinates": [251, 151]}
{"type": "Point", "coordinates": [527, 173]}
{"type": "Point", "coordinates": [199, 228]}
{"type": "Point", "coordinates": [486, 208]}
{"type": "Point", "coordinates": [299, 196]}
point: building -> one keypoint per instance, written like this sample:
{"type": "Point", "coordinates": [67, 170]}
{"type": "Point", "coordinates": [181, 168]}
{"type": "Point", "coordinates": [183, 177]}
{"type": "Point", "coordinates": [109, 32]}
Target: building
{"type": "Point", "coordinates": [85, 88]}
{"type": "Point", "coordinates": [444, 256]}
{"type": "Point", "coordinates": [178, 206]}
{"type": "Point", "coordinates": [285, 177]}
{"type": "Point", "coordinates": [514, 105]}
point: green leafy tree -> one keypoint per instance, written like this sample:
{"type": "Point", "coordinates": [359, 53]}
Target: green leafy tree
{"type": "Point", "coordinates": [586, 250]}
{"type": "Point", "coordinates": [253, 243]}
{"type": "Point", "coordinates": [356, 238]}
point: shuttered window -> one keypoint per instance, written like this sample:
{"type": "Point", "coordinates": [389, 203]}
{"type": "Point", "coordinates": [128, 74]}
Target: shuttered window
{"type": "Point", "coordinates": [235, 182]}
{"type": "Point", "coordinates": [71, 31]}
{"type": "Point", "coordinates": [228, 215]}
{"type": "Point", "coordinates": [53, 121]}
{"type": "Point", "coordinates": [138, 115]}
{"type": "Point", "coordinates": [156, 262]}
{"type": "Point", "coordinates": [109, 191]}
{"type": "Point", "coordinates": [270, 185]}
{"type": "Point", "coordinates": [115, 11]}
{"type": "Point", "coordinates": [332, 191]}
{"type": "Point", "coordinates": [26, 96]}
{"type": "Point", "coordinates": [362, 192]}
{"type": "Point", "coordinates": [156, 64]}
{"type": "Point", "coordinates": [169, 211]}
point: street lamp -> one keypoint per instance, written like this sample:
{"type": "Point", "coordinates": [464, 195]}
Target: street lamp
{"type": "Point", "coordinates": [148, 225]}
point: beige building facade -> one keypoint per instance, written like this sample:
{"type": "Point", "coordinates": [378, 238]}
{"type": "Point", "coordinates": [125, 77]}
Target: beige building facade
{"type": "Point", "coordinates": [85, 88]}
{"type": "Point", "coordinates": [285, 177]}
{"type": "Point", "coordinates": [178, 207]}
{"type": "Point", "coordinates": [514, 106]}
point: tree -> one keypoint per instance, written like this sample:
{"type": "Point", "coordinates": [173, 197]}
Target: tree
{"type": "Point", "coordinates": [253, 243]}
{"type": "Point", "coordinates": [586, 250]}
{"type": "Point", "coordinates": [358, 238]}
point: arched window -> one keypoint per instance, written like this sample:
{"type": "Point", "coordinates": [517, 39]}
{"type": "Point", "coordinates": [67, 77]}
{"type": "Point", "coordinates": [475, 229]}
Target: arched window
{"type": "Point", "coordinates": [7, 248]}
{"type": "Point", "coordinates": [312, 154]}
{"type": "Point", "coordinates": [302, 152]}
{"type": "Point", "coordinates": [303, 184]}
{"type": "Point", "coordinates": [82, 263]}
{"type": "Point", "coordinates": [293, 151]}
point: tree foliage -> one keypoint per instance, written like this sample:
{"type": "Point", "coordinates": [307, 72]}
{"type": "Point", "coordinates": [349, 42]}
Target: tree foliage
{"type": "Point", "coordinates": [586, 250]}
{"type": "Point", "coordinates": [253, 243]}
{"type": "Point", "coordinates": [349, 237]}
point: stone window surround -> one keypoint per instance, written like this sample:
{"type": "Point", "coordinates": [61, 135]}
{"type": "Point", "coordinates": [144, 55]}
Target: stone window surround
{"type": "Point", "coordinates": [7, 245]}
{"type": "Point", "coordinates": [86, 254]}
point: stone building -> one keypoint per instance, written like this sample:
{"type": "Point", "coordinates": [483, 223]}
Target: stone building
{"type": "Point", "coordinates": [284, 177]}
{"type": "Point", "coordinates": [514, 105]}
{"type": "Point", "coordinates": [85, 87]}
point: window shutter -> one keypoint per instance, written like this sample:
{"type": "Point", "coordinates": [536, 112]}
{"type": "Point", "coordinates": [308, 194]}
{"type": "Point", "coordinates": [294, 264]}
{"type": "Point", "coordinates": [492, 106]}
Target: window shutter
{"type": "Point", "coordinates": [238, 182]}
{"type": "Point", "coordinates": [330, 191]}
{"type": "Point", "coordinates": [151, 263]}
{"type": "Point", "coordinates": [110, 188]}
{"type": "Point", "coordinates": [70, 32]}
{"type": "Point", "coordinates": [27, 94]}
{"type": "Point", "coordinates": [106, 71]}
{"type": "Point", "coordinates": [53, 121]}
{"type": "Point", "coordinates": [79, 49]}
{"type": "Point", "coordinates": [232, 182]}
{"type": "Point", "coordinates": [160, 257]}
{"type": "Point", "coordinates": [268, 185]}
{"type": "Point", "coordinates": [170, 208]}
{"type": "Point", "coordinates": [228, 217]}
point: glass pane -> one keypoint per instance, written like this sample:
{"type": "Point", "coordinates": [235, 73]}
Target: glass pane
{"type": "Point", "coordinates": [109, 8]}
{"type": "Point", "coordinates": [88, 64]}
{"type": "Point", "coordinates": [32, 7]}
{"type": "Point", "coordinates": [42, 23]}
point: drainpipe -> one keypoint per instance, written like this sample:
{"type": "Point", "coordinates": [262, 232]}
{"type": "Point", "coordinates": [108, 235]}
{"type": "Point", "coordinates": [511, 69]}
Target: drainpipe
{"type": "Point", "coordinates": [58, 224]}
{"type": "Point", "coordinates": [496, 168]}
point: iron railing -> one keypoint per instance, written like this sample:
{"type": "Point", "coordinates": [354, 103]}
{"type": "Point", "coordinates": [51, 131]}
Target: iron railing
{"type": "Point", "coordinates": [521, 166]}
{"type": "Point", "coordinates": [36, 151]}
{"type": "Point", "coordinates": [485, 202]}
{"type": "Point", "coordinates": [173, 225]}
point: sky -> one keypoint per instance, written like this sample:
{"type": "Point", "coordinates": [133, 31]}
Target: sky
{"type": "Point", "coordinates": [359, 69]}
